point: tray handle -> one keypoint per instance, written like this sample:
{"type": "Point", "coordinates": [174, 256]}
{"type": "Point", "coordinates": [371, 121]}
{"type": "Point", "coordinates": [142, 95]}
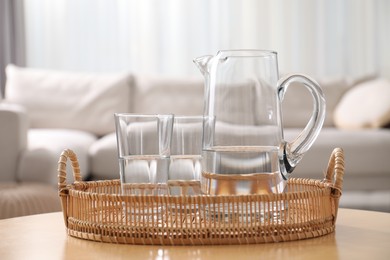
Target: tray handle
{"type": "Point", "coordinates": [334, 176]}
{"type": "Point", "coordinates": [63, 190]}
{"type": "Point", "coordinates": [335, 171]}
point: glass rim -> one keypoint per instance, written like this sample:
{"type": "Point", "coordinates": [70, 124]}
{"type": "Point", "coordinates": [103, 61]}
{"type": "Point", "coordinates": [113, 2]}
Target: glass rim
{"type": "Point", "coordinates": [190, 116]}
{"type": "Point", "coordinates": [142, 115]}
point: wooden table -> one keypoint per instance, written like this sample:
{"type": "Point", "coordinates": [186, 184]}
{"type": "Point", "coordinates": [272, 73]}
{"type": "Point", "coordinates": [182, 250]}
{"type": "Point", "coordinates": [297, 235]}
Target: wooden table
{"type": "Point", "coordinates": [359, 235]}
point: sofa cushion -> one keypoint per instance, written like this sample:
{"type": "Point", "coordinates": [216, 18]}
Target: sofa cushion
{"type": "Point", "coordinates": [297, 105]}
{"type": "Point", "coordinates": [237, 135]}
{"type": "Point", "coordinates": [367, 105]}
{"type": "Point", "coordinates": [38, 162]}
{"type": "Point", "coordinates": [104, 158]}
{"type": "Point", "coordinates": [365, 152]}
{"type": "Point", "coordinates": [13, 139]}
{"type": "Point", "coordinates": [80, 101]}
{"type": "Point", "coordinates": [377, 200]}
{"type": "Point", "coordinates": [21, 199]}
{"type": "Point", "coordinates": [168, 95]}
{"type": "Point", "coordinates": [237, 104]}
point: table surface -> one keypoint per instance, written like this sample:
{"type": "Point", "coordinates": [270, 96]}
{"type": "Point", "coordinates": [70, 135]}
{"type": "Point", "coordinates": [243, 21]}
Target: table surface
{"type": "Point", "coordinates": [359, 235]}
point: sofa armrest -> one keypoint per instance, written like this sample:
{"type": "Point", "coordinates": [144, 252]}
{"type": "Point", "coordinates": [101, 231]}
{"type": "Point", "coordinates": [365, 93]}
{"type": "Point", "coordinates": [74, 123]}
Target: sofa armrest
{"type": "Point", "coordinates": [13, 139]}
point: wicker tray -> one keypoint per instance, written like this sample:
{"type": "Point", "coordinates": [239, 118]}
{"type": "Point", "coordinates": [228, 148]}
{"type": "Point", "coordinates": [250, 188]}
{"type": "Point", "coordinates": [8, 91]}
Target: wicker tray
{"type": "Point", "coordinates": [96, 210]}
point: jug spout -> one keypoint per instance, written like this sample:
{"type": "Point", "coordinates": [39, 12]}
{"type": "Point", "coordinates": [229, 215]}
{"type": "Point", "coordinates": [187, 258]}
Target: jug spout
{"type": "Point", "coordinates": [203, 63]}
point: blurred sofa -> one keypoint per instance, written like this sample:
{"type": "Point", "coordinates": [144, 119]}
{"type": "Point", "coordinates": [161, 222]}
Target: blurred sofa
{"type": "Point", "coordinates": [47, 111]}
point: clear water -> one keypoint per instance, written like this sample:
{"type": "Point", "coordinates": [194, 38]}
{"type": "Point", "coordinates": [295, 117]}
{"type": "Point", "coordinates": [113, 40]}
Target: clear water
{"type": "Point", "coordinates": [238, 170]}
{"type": "Point", "coordinates": [151, 169]}
{"type": "Point", "coordinates": [143, 175]}
{"type": "Point", "coordinates": [184, 168]}
{"type": "Point", "coordinates": [241, 170]}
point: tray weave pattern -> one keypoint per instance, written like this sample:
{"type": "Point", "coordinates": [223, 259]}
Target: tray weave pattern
{"type": "Point", "coordinates": [98, 211]}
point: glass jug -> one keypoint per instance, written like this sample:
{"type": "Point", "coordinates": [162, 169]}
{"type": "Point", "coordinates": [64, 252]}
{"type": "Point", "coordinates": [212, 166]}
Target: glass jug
{"type": "Point", "coordinates": [244, 151]}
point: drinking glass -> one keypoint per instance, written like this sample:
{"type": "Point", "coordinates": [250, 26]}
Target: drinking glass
{"type": "Point", "coordinates": [185, 164]}
{"type": "Point", "coordinates": [143, 150]}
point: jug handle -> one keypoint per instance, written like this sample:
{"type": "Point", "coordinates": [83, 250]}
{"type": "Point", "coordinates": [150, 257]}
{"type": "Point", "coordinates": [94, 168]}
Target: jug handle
{"type": "Point", "coordinates": [294, 151]}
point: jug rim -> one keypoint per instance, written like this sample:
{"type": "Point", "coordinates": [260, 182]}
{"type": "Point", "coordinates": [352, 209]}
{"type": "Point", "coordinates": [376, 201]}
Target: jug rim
{"type": "Point", "coordinates": [246, 53]}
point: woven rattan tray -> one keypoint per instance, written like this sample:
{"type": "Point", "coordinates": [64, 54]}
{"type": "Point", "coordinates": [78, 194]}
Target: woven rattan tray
{"type": "Point", "coordinates": [96, 210]}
